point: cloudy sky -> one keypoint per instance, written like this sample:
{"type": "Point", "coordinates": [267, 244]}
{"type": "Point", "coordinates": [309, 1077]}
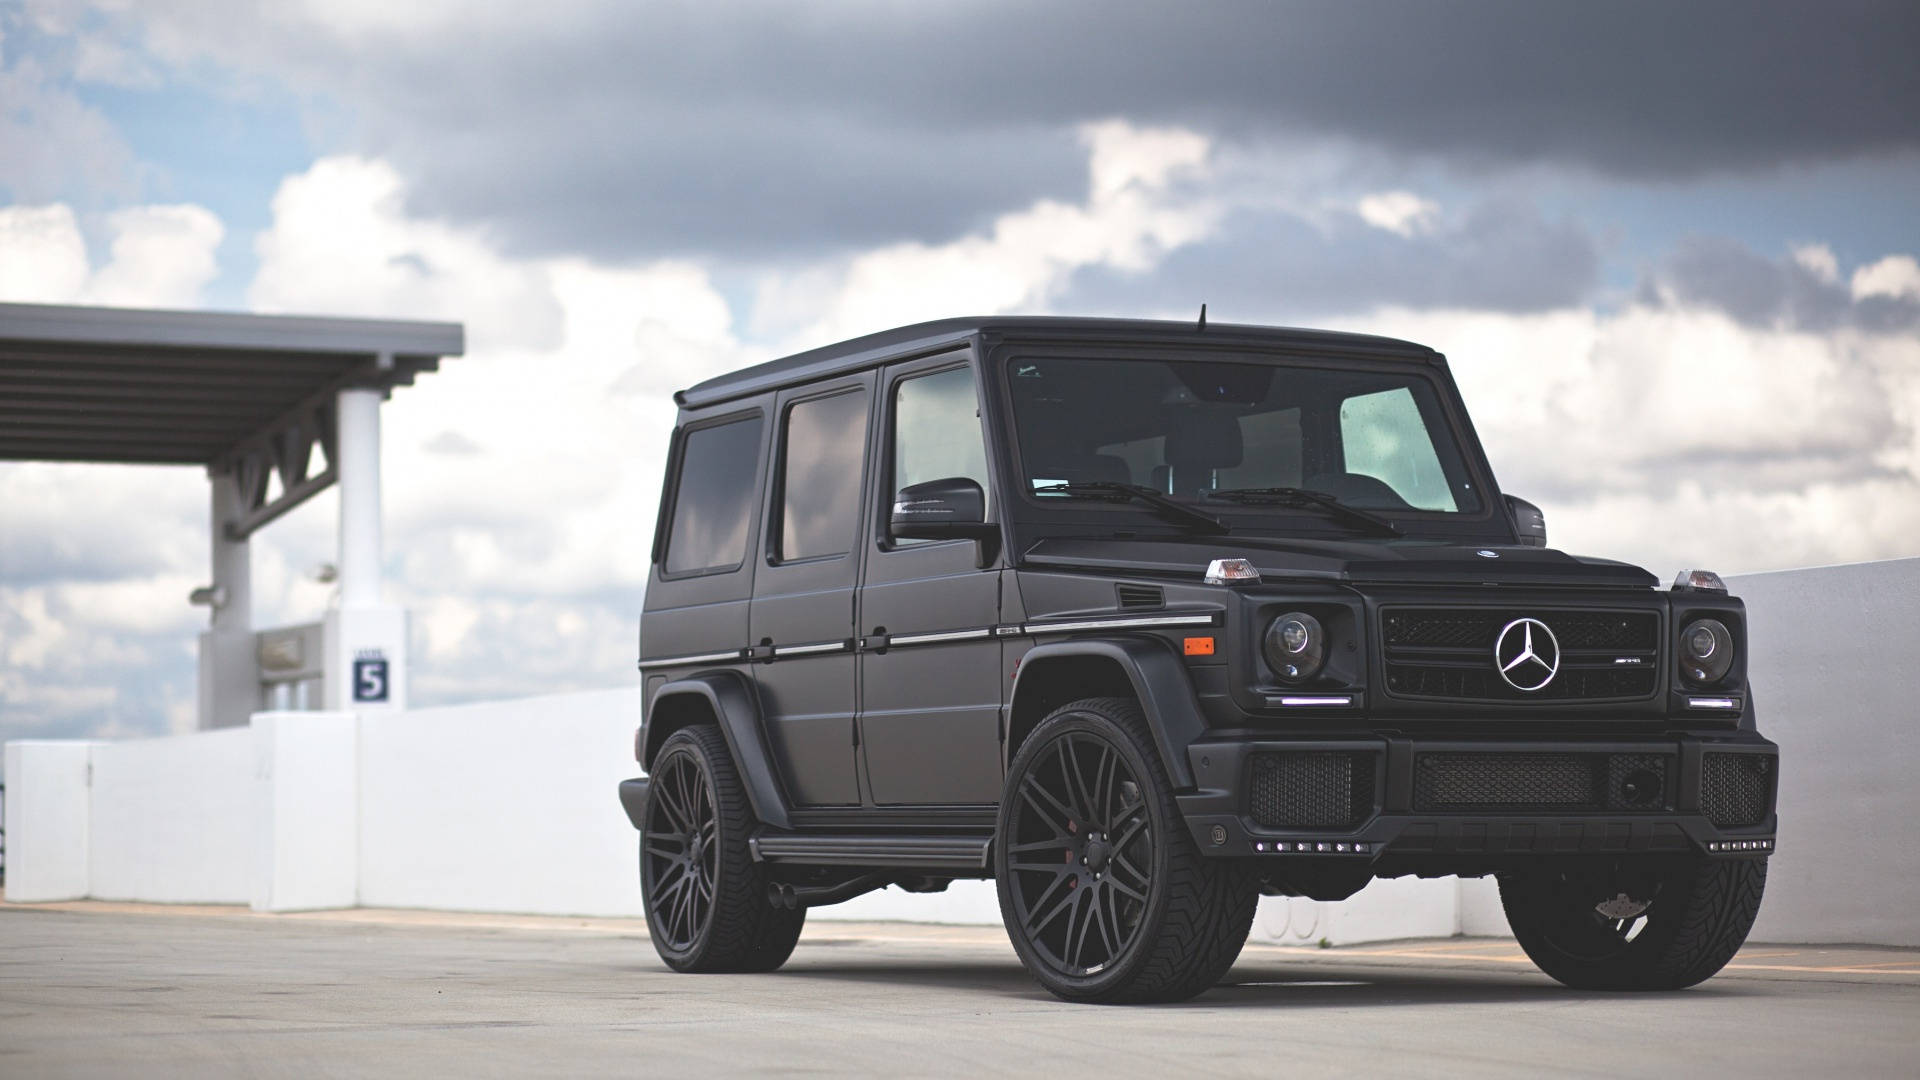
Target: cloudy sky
{"type": "Point", "coordinates": [1670, 250]}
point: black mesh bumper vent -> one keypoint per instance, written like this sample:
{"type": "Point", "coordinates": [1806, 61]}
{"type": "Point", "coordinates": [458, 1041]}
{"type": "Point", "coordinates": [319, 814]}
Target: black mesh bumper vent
{"type": "Point", "coordinates": [1311, 790]}
{"type": "Point", "coordinates": [1541, 783]}
{"type": "Point", "coordinates": [1734, 788]}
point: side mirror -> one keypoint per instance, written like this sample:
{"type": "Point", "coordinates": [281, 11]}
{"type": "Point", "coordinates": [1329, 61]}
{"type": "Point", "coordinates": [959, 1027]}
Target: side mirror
{"type": "Point", "coordinates": [1528, 521]}
{"type": "Point", "coordinates": [951, 509]}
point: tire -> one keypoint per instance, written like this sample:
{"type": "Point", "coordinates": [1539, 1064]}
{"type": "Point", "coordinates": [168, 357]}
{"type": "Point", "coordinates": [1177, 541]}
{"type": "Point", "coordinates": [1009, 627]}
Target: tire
{"type": "Point", "coordinates": [1697, 916]}
{"type": "Point", "coordinates": [1110, 859]}
{"type": "Point", "coordinates": [705, 897]}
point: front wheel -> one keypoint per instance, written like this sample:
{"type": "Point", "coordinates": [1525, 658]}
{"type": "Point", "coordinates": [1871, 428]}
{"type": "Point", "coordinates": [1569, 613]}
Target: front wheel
{"type": "Point", "coordinates": [706, 899]}
{"type": "Point", "coordinates": [1634, 925]}
{"type": "Point", "coordinates": [1103, 891]}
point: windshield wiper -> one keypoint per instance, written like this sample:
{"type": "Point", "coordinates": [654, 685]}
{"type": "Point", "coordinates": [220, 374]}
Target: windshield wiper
{"type": "Point", "coordinates": [1304, 499]}
{"type": "Point", "coordinates": [1176, 512]}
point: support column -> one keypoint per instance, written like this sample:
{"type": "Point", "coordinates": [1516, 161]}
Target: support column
{"type": "Point", "coordinates": [229, 670]}
{"type": "Point", "coordinates": [359, 467]}
{"type": "Point", "coordinates": [366, 638]}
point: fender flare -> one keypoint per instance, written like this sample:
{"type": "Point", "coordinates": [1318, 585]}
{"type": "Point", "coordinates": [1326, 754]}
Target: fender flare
{"type": "Point", "coordinates": [731, 699]}
{"type": "Point", "coordinates": [1160, 684]}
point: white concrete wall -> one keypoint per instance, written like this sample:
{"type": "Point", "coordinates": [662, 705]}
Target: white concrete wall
{"type": "Point", "coordinates": [511, 806]}
{"type": "Point", "coordinates": [172, 819]}
{"type": "Point", "coordinates": [306, 852]}
{"type": "Point", "coordinates": [46, 813]}
{"type": "Point", "coordinates": [503, 806]}
{"type": "Point", "coordinates": [1835, 665]}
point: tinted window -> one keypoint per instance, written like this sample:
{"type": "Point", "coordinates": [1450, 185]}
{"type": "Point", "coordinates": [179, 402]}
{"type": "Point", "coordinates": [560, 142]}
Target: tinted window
{"type": "Point", "coordinates": [713, 501]}
{"type": "Point", "coordinates": [825, 441]}
{"type": "Point", "coordinates": [936, 431]}
{"type": "Point", "coordinates": [1211, 431]}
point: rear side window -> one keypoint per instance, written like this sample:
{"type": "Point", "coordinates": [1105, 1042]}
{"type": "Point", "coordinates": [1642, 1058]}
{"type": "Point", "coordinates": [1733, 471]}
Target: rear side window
{"type": "Point", "coordinates": [824, 445]}
{"type": "Point", "coordinates": [714, 497]}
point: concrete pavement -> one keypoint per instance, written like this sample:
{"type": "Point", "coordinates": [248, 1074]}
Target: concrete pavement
{"type": "Point", "coordinates": [105, 989]}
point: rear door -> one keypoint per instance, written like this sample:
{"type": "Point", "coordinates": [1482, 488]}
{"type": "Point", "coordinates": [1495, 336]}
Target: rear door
{"type": "Point", "coordinates": [801, 624]}
{"type": "Point", "coordinates": [931, 694]}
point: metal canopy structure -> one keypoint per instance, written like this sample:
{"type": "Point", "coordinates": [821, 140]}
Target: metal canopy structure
{"type": "Point", "coordinates": [250, 398]}
{"type": "Point", "coordinates": [247, 396]}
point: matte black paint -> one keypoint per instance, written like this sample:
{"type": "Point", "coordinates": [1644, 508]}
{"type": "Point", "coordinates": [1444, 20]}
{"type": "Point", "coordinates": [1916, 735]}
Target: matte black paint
{"type": "Point", "coordinates": [882, 744]}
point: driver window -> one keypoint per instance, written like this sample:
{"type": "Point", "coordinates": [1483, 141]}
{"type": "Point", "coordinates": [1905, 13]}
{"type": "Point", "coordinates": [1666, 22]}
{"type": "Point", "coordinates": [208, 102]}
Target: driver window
{"type": "Point", "coordinates": [936, 433]}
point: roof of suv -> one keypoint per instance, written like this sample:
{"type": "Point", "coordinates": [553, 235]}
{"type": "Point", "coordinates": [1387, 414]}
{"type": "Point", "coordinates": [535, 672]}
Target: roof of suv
{"type": "Point", "coordinates": [861, 352]}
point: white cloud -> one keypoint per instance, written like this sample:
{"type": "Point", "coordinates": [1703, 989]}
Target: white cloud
{"type": "Point", "coordinates": [43, 258]}
{"type": "Point", "coordinates": [162, 256]}
{"type": "Point", "coordinates": [1819, 260]}
{"type": "Point", "coordinates": [1678, 437]}
{"type": "Point", "coordinates": [159, 256]}
{"type": "Point", "coordinates": [341, 242]}
{"type": "Point", "coordinates": [1896, 276]}
{"type": "Point", "coordinates": [50, 140]}
{"type": "Point", "coordinates": [1399, 212]}
{"type": "Point", "coordinates": [1135, 212]}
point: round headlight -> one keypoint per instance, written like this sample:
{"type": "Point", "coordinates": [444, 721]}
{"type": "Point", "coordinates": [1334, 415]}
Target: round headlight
{"type": "Point", "coordinates": [1706, 651]}
{"type": "Point", "coordinates": [1295, 646]}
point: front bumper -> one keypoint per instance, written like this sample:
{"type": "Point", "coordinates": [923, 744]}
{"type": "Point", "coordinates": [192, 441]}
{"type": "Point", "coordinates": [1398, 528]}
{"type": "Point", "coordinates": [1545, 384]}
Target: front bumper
{"type": "Point", "coordinates": [1458, 805]}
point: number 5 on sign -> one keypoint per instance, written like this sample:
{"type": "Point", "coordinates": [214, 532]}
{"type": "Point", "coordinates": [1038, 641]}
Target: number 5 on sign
{"type": "Point", "coordinates": [369, 680]}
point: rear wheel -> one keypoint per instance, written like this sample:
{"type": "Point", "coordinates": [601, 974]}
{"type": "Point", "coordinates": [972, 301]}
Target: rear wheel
{"type": "Point", "coordinates": [1634, 926]}
{"type": "Point", "coordinates": [1103, 891]}
{"type": "Point", "coordinates": [705, 897]}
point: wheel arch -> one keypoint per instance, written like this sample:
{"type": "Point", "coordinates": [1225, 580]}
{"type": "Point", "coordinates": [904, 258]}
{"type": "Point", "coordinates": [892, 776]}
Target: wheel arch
{"type": "Point", "coordinates": [724, 699]}
{"type": "Point", "coordinates": [1141, 668]}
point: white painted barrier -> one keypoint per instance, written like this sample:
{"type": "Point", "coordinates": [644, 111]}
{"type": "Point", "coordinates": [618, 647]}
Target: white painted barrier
{"type": "Point", "coordinates": [47, 821]}
{"type": "Point", "coordinates": [503, 806]}
{"type": "Point", "coordinates": [172, 819]}
{"type": "Point", "coordinates": [510, 806]}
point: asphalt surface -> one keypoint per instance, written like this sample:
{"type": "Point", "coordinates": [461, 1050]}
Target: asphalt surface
{"type": "Point", "coordinates": [105, 990]}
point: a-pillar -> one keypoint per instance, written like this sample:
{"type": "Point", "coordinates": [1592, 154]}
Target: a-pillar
{"type": "Point", "coordinates": [366, 638]}
{"type": "Point", "coordinates": [229, 667]}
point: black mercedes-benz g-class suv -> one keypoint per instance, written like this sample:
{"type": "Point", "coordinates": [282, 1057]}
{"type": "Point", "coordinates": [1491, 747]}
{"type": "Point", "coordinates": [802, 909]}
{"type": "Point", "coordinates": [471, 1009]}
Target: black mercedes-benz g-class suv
{"type": "Point", "coordinates": [1143, 619]}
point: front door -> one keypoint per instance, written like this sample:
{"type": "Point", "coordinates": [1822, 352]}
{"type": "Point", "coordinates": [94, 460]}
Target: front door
{"type": "Point", "coordinates": [801, 624]}
{"type": "Point", "coordinates": [930, 697]}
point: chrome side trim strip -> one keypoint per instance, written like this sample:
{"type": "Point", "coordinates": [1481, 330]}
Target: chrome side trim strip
{"type": "Point", "coordinates": [702, 658]}
{"type": "Point", "coordinates": [1320, 701]}
{"type": "Point", "coordinates": [810, 650]}
{"type": "Point", "coordinates": [1135, 622]}
{"type": "Point", "coordinates": [938, 636]}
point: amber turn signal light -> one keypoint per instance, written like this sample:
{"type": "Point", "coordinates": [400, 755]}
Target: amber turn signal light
{"type": "Point", "coordinates": [1199, 646]}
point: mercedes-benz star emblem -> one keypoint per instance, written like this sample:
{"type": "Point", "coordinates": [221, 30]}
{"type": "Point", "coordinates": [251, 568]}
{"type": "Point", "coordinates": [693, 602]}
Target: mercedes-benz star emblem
{"type": "Point", "coordinates": [1527, 654]}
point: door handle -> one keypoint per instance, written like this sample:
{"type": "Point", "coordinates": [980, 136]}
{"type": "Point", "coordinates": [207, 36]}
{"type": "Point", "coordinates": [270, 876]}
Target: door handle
{"type": "Point", "coordinates": [876, 641]}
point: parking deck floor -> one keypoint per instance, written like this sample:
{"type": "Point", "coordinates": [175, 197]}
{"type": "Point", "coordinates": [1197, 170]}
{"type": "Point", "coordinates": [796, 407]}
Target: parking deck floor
{"type": "Point", "coordinates": [116, 989]}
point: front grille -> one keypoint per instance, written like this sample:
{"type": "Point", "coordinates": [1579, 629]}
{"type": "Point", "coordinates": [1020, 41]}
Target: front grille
{"type": "Point", "coordinates": [1734, 787]}
{"type": "Point", "coordinates": [1311, 789]}
{"type": "Point", "coordinates": [1448, 654]}
{"type": "Point", "coordinates": [1545, 782]}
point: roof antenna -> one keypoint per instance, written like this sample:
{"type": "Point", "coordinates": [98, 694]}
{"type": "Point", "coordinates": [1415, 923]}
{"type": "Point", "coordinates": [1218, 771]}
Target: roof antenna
{"type": "Point", "coordinates": [1203, 318]}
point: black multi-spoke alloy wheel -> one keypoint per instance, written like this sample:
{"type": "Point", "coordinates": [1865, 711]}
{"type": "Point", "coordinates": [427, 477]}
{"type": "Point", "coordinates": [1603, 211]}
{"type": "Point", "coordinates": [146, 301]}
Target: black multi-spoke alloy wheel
{"type": "Point", "coordinates": [1104, 893]}
{"type": "Point", "coordinates": [706, 898]}
{"type": "Point", "coordinates": [1627, 926]}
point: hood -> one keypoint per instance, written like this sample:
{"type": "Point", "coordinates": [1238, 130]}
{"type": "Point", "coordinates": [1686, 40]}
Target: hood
{"type": "Point", "coordinates": [1358, 561]}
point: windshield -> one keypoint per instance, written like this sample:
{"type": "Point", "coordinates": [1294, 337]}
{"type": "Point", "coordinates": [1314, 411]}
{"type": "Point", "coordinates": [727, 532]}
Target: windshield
{"type": "Point", "coordinates": [1230, 435]}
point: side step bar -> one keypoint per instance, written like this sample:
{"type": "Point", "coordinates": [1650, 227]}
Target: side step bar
{"type": "Point", "coordinates": [962, 853]}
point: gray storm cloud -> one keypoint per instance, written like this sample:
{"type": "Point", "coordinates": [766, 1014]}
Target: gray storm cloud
{"type": "Point", "coordinates": [759, 128]}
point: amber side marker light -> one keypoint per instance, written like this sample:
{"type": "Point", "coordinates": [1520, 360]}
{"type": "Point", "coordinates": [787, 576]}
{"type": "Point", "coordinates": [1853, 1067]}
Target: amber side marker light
{"type": "Point", "coordinates": [1198, 646]}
